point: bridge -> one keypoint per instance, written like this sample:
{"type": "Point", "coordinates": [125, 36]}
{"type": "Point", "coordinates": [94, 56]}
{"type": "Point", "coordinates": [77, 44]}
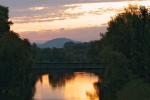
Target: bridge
{"type": "Point", "coordinates": [56, 65]}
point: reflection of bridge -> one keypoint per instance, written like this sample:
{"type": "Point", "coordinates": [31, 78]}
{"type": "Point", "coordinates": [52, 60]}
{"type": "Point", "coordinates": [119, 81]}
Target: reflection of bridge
{"type": "Point", "coordinates": [49, 65]}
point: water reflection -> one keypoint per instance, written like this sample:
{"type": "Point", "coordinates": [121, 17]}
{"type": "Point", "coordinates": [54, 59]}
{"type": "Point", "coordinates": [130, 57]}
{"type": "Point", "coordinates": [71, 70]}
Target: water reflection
{"type": "Point", "coordinates": [79, 86]}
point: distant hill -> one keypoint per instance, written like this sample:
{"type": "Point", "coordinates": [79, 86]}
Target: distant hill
{"type": "Point", "coordinates": [56, 43]}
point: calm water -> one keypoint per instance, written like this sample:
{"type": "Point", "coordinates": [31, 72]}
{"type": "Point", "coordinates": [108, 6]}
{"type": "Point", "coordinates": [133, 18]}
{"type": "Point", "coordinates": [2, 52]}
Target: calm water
{"type": "Point", "coordinates": [75, 86]}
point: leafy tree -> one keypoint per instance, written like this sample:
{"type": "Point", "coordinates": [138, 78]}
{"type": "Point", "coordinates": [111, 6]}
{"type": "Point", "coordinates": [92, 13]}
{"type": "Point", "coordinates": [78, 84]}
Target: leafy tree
{"type": "Point", "coordinates": [4, 23]}
{"type": "Point", "coordinates": [136, 89]}
{"type": "Point", "coordinates": [15, 62]}
{"type": "Point", "coordinates": [125, 50]}
{"type": "Point", "coordinates": [93, 51]}
{"type": "Point", "coordinates": [116, 73]}
{"type": "Point", "coordinates": [128, 33]}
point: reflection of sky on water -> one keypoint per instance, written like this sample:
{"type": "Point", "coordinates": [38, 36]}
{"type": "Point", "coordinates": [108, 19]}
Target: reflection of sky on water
{"type": "Point", "coordinates": [79, 87]}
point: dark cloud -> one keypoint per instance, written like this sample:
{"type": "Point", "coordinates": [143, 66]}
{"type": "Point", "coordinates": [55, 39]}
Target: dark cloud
{"type": "Point", "coordinates": [27, 3]}
{"type": "Point", "coordinates": [22, 4]}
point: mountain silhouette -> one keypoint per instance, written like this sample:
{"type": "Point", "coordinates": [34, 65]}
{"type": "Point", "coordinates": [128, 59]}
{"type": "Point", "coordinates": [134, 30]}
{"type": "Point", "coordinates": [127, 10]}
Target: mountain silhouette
{"type": "Point", "coordinates": [56, 43]}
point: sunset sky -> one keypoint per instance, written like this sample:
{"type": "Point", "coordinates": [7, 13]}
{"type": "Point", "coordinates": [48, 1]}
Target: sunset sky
{"type": "Point", "coordinates": [82, 20]}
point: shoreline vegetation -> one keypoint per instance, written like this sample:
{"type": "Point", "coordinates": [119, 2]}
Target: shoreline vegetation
{"type": "Point", "coordinates": [124, 49]}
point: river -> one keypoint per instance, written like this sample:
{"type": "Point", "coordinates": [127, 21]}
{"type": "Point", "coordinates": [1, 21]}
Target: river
{"type": "Point", "coordinates": [67, 86]}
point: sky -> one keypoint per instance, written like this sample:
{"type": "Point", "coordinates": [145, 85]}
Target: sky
{"type": "Point", "coordinates": [81, 20]}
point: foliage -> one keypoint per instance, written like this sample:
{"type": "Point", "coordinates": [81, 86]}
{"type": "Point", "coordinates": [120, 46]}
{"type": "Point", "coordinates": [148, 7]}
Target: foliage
{"type": "Point", "coordinates": [116, 73]}
{"type": "Point", "coordinates": [15, 61]}
{"type": "Point", "coordinates": [93, 51]}
{"type": "Point", "coordinates": [135, 90]}
{"type": "Point", "coordinates": [4, 23]}
{"type": "Point", "coordinates": [128, 33]}
{"type": "Point", "coordinates": [125, 50]}
{"type": "Point", "coordinates": [72, 52]}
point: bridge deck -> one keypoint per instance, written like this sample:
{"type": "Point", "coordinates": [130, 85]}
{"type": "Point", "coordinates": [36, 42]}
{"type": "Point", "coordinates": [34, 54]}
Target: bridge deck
{"type": "Point", "coordinates": [68, 66]}
{"type": "Point", "coordinates": [66, 63]}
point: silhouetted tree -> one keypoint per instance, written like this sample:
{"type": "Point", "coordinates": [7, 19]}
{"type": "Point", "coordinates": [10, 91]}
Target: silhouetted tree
{"type": "Point", "coordinates": [128, 33]}
{"type": "Point", "coordinates": [15, 62]}
{"type": "Point", "coordinates": [4, 23]}
{"type": "Point", "coordinates": [125, 50]}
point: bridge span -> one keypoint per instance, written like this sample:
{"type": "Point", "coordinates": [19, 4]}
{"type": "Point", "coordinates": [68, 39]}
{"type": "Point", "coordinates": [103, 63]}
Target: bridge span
{"type": "Point", "coordinates": [96, 68]}
{"type": "Point", "coordinates": [49, 65]}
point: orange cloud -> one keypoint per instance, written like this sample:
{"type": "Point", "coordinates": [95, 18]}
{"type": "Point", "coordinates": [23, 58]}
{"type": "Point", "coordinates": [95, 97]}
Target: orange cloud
{"type": "Point", "coordinates": [38, 8]}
